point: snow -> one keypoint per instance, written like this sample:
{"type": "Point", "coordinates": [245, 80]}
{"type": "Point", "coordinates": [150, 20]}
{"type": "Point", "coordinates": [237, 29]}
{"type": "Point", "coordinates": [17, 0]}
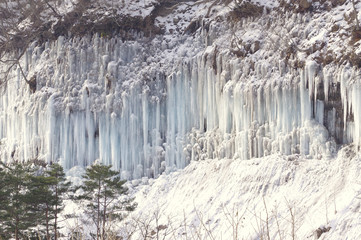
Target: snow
{"type": "Point", "coordinates": [320, 192]}
{"type": "Point", "coordinates": [268, 4]}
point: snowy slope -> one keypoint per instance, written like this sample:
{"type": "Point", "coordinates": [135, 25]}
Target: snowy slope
{"type": "Point", "coordinates": [223, 193]}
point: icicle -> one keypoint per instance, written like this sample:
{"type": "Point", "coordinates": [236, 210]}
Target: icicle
{"type": "Point", "coordinates": [104, 99]}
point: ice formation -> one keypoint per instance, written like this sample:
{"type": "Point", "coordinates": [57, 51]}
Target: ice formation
{"type": "Point", "coordinates": [107, 99]}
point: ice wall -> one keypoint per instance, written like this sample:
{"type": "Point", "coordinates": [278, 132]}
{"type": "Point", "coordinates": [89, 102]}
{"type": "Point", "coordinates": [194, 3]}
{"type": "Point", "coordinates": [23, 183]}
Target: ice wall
{"type": "Point", "coordinates": [238, 112]}
{"type": "Point", "coordinates": [106, 99]}
{"type": "Point", "coordinates": [89, 104]}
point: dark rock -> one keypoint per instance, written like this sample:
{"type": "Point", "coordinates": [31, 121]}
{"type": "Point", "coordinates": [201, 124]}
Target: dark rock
{"type": "Point", "coordinates": [32, 84]}
{"type": "Point", "coordinates": [321, 230]}
{"type": "Point", "coordinates": [305, 4]}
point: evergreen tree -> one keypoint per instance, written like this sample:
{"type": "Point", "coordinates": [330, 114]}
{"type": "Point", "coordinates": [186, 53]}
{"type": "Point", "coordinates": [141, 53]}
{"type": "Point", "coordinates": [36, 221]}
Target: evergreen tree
{"type": "Point", "coordinates": [42, 200]}
{"type": "Point", "coordinates": [18, 206]}
{"type": "Point", "coordinates": [58, 186]}
{"type": "Point", "coordinates": [48, 189]}
{"type": "Point", "coordinates": [3, 200]}
{"type": "Point", "coordinates": [3, 192]}
{"type": "Point", "coordinates": [102, 190]}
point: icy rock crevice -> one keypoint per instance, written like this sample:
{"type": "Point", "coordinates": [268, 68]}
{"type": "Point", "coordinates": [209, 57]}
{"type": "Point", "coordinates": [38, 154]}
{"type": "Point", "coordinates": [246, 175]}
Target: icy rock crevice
{"type": "Point", "coordinates": [112, 100]}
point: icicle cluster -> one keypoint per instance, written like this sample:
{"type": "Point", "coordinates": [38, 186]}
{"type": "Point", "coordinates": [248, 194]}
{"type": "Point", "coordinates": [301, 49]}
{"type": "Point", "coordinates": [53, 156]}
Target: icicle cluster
{"type": "Point", "coordinates": [90, 104]}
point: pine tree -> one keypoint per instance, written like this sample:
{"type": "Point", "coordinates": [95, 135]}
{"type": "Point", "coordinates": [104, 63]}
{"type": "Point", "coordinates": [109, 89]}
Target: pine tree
{"type": "Point", "coordinates": [18, 208]}
{"type": "Point", "coordinates": [3, 200]}
{"type": "Point", "coordinates": [42, 199]}
{"type": "Point", "coordinates": [48, 189]}
{"type": "Point", "coordinates": [58, 186]}
{"type": "Point", "coordinates": [102, 189]}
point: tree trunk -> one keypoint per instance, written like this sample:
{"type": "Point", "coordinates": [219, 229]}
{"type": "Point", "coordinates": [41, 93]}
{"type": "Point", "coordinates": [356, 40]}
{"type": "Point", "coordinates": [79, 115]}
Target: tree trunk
{"type": "Point", "coordinates": [356, 13]}
{"type": "Point", "coordinates": [98, 208]}
{"type": "Point", "coordinates": [17, 221]}
{"type": "Point", "coordinates": [47, 221]}
{"type": "Point", "coordinates": [16, 229]}
{"type": "Point", "coordinates": [104, 213]}
{"type": "Point", "coordinates": [56, 212]}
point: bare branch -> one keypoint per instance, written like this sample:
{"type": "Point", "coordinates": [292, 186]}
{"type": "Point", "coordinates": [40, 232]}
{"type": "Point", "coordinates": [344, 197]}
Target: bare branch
{"type": "Point", "coordinates": [356, 15]}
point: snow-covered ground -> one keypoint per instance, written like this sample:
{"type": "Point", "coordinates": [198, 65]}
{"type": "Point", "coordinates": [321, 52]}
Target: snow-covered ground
{"type": "Point", "coordinates": [273, 195]}
{"type": "Point", "coordinates": [280, 197]}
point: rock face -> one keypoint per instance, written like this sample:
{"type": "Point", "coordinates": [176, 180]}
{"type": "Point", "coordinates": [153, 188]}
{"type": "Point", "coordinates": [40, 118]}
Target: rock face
{"type": "Point", "coordinates": [305, 4]}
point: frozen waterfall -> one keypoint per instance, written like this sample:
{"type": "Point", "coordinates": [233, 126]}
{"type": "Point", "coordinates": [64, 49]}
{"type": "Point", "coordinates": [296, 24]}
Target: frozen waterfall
{"type": "Point", "coordinates": [105, 99]}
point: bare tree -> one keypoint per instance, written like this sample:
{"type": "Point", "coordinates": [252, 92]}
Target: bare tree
{"type": "Point", "coordinates": [357, 27]}
{"type": "Point", "coordinates": [21, 23]}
